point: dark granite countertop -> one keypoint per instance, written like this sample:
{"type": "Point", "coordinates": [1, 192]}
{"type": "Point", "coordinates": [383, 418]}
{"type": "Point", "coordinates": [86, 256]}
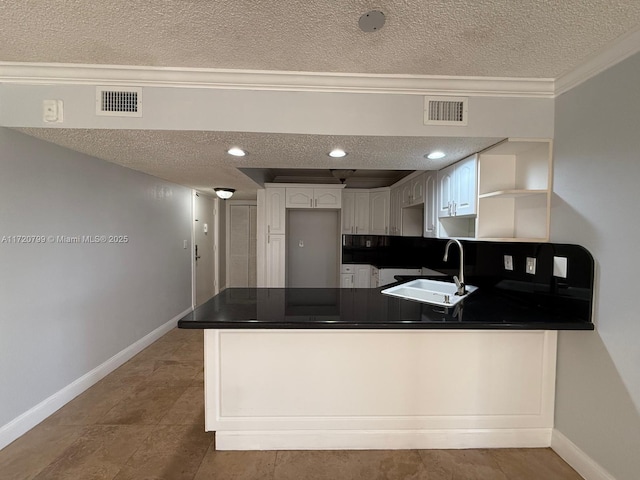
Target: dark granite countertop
{"type": "Point", "coordinates": [494, 306]}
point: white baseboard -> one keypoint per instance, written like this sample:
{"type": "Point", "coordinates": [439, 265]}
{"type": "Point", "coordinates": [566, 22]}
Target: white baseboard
{"type": "Point", "coordinates": [580, 461]}
{"type": "Point", "coordinates": [383, 440]}
{"type": "Point", "coordinates": [29, 419]}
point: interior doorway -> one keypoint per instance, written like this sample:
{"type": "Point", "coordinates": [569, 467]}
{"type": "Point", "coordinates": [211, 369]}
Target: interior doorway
{"type": "Point", "coordinates": [204, 248]}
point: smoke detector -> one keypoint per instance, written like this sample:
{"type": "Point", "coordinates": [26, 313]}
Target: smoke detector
{"type": "Point", "coordinates": [371, 21]}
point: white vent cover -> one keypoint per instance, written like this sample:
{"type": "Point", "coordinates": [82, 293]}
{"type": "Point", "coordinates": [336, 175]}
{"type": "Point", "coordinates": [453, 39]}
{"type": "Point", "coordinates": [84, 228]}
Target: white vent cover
{"type": "Point", "coordinates": [119, 101]}
{"type": "Point", "coordinates": [445, 111]}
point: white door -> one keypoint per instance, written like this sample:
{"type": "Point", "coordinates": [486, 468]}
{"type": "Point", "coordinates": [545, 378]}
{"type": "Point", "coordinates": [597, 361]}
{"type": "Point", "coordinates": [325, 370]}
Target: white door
{"type": "Point", "coordinates": [405, 195]}
{"type": "Point", "coordinates": [466, 186]}
{"type": "Point", "coordinates": [445, 191]}
{"type": "Point", "coordinates": [430, 204]}
{"type": "Point", "coordinates": [241, 266]}
{"type": "Point", "coordinates": [362, 277]}
{"type": "Point", "coordinates": [204, 264]}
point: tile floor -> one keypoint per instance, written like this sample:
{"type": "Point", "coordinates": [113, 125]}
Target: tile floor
{"type": "Point", "coordinates": [145, 421]}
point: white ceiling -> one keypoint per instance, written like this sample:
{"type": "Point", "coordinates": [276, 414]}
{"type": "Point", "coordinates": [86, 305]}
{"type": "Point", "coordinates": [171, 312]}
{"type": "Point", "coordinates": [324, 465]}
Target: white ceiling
{"type": "Point", "coordinates": [487, 38]}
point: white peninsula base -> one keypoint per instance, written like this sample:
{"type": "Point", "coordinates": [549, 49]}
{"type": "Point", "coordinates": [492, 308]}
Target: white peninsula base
{"type": "Point", "coordinates": [379, 389]}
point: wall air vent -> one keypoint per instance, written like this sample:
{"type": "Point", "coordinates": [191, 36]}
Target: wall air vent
{"type": "Point", "coordinates": [119, 101]}
{"type": "Point", "coordinates": [445, 111]}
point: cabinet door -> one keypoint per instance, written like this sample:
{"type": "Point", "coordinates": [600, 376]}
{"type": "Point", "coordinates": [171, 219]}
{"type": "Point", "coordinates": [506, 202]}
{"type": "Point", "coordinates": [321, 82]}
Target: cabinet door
{"type": "Point", "coordinates": [361, 213]}
{"type": "Point", "coordinates": [379, 213]}
{"type": "Point", "coordinates": [466, 186]}
{"type": "Point", "coordinates": [346, 280]}
{"type": "Point", "coordinates": [348, 212]}
{"type": "Point", "coordinates": [430, 204]}
{"type": "Point", "coordinates": [417, 190]}
{"type": "Point", "coordinates": [327, 197]}
{"type": "Point", "coordinates": [395, 211]}
{"type": "Point", "coordinates": [299, 197]}
{"type": "Point", "coordinates": [405, 194]}
{"type": "Point", "coordinates": [445, 191]}
{"type": "Point", "coordinates": [362, 277]}
{"type": "Point", "coordinates": [275, 261]}
{"type": "Point", "coordinates": [276, 211]}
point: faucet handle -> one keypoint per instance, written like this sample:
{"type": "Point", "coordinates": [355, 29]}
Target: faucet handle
{"type": "Point", "coordinates": [456, 280]}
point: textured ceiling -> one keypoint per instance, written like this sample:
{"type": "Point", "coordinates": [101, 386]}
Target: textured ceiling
{"type": "Point", "coordinates": [199, 159]}
{"type": "Point", "coordinates": [504, 38]}
{"type": "Point", "coordinates": [495, 38]}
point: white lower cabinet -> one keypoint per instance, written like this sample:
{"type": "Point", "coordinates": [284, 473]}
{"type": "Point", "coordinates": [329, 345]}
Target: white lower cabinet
{"type": "Point", "coordinates": [379, 389]}
{"type": "Point", "coordinates": [355, 276]}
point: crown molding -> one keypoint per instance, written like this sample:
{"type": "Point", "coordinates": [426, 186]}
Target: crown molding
{"type": "Point", "coordinates": [622, 48]}
{"type": "Point", "coordinates": [85, 74]}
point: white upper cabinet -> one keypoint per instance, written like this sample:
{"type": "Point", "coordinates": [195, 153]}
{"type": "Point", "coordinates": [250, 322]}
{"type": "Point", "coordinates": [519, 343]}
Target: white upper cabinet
{"type": "Point", "coordinates": [355, 212]}
{"type": "Point", "coordinates": [430, 204]}
{"type": "Point", "coordinates": [379, 203]}
{"type": "Point", "coordinates": [465, 186]}
{"type": "Point", "coordinates": [313, 197]}
{"type": "Point", "coordinates": [412, 191]}
{"type": "Point", "coordinates": [395, 211]}
{"type": "Point", "coordinates": [276, 211]}
{"type": "Point", "coordinates": [457, 189]}
{"type": "Point", "coordinates": [445, 191]}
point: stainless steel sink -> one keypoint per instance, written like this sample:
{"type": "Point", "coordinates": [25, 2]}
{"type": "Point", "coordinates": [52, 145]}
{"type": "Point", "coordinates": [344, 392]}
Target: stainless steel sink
{"type": "Point", "coordinates": [429, 291]}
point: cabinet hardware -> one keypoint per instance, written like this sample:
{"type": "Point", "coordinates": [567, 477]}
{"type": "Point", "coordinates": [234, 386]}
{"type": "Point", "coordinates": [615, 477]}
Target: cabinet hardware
{"type": "Point", "coordinates": [316, 203]}
{"type": "Point", "coordinates": [356, 229]}
{"type": "Point", "coordinates": [311, 202]}
{"type": "Point", "coordinates": [268, 229]}
{"type": "Point", "coordinates": [386, 230]}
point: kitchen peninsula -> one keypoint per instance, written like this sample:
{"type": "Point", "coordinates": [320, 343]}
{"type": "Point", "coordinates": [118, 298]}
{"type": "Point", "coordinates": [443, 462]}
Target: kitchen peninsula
{"type": "Point", "coordinates": [289, 368]}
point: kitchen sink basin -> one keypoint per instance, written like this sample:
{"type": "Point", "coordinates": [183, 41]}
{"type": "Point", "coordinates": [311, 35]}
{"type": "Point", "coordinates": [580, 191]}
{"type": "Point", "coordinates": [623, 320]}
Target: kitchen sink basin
{"type": "Point", "coordinates": [429, 291]}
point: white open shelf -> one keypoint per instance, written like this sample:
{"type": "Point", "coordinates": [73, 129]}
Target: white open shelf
{"type": "Point", "coordinates": [514, 191]}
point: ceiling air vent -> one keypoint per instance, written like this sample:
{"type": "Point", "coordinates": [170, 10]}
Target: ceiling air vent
{"type": "Point", "coordinates": [119, 101]}
{"type": "Point", "coordinates": [445, 111]}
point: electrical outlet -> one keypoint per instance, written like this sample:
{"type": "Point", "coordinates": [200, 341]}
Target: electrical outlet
{"type": "Point", "coordinates": [184, 244]}
{"type": "Point", "coordinates": [301, 243]}
{"type": "Point", "coordinates": [367, 243]}
{"type": "Point", "coordinates": [560, 267]}
{"type": "Point", "coordinates": [531, 265]}
{"type": "Point", "coordinates": [508, 262]}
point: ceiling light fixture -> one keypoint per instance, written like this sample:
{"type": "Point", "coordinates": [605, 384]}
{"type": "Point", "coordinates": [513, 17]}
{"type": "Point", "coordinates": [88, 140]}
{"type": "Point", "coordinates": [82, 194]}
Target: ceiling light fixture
{"type": "Point", "coordinates": [337, 153]}
{"type": "Point", "coordinates": [224, 193]}
{"type": "Point", "coordinates": [236, 152]}
{"type": "Point", "coordinates": [435, 155]}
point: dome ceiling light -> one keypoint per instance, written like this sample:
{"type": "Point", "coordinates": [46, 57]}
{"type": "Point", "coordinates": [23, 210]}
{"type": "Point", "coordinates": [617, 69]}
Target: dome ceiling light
{"type": "Point", "coordinates": [224, 193]}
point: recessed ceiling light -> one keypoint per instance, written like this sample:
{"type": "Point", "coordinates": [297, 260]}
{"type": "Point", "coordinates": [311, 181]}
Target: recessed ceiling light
{"type": "Point", "coordinates": [236, 152]}
{"type": "Point", "coordinates": [435, 155]}
{"type": "Point", "coordinates": [337, 153]}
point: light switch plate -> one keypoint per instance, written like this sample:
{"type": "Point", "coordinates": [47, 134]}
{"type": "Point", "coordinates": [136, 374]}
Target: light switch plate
{"type": "Point", "coordinates": [508, 262]}
{"type": "Point", "coordinates": [531, 265]}
{"type": "Point", "coordinates": [560, 267]}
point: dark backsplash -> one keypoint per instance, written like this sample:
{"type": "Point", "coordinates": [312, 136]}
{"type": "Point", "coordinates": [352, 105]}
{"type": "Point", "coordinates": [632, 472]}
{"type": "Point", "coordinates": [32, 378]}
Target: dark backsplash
{"type": "Point", "coordinates": [484, 264]}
